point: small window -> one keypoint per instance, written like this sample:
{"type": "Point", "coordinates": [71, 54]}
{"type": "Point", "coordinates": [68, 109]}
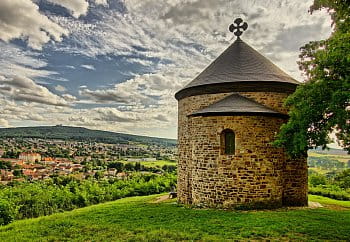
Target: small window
{"type": "Point", "coordinates": [228, 142]}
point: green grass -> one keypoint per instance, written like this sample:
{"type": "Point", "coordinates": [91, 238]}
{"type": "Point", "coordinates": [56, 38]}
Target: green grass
{"type": "Point", "coordinates": [135, 219]}
{"type": "Point", "coordinates": [328, 201]}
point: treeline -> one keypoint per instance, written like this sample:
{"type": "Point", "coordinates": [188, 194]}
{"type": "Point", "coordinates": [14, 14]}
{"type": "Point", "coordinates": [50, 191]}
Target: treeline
{"type": "Point", "coordinates": [28, 200]}
{"type": "Point", "coordinates": [336, 186]}
{"type": "Point", "coordinates": [326, 163]}
{"type": "Point", "coordinates": [81, 134]}
{"type": "Point", "coordinates": [137, 166]}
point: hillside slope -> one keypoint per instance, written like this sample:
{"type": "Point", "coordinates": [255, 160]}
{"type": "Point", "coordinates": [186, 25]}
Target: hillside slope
{"type": "Point", "coordinates": [138, 219]}
{"type": "Point", "coordinates": [79, 134]}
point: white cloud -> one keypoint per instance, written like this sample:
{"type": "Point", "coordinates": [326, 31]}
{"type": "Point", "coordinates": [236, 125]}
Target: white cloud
{"type": "Point", "coordinates": [143, 90]}
{"type": "Point", "coordinates": [69, 98]}
{"type": "Point", "coordinates": [114, 115]}
{"type": "Point", "coordinates": [60, 88]}
{"type": "Point", "coordinates": [15, 61]}
{"type": "Point", "coordinates": [4, 123]}
{"type": "Point", "coordinates": [34, 117]}
{"type": "Point", "coordinates": [89, 67]}
{"type": "Point", "coordinates": [102, 2]}
{"type": "Point", "coordinates": [77, 7]}
{"type": "Point", "coordinates": [22, 19]}
{"type": "Point", "coordinates": [24, 89]}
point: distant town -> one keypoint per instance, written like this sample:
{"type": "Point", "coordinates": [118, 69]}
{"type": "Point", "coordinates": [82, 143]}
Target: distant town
{"type": "Point", "coordinates": [38, 159]}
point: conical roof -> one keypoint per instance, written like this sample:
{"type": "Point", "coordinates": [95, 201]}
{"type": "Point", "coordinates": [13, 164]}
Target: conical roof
{"type": "Point", "coordinates": [239, 68]}
{"type": "Point", "coordinates": [236, 104]}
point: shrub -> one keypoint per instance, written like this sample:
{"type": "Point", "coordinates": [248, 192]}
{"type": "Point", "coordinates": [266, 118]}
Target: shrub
{"type": "Point", "coordinates": [343, 179]}
{"type": "Point", "coordinates": [331, 192]}
{"type": "Point", "coordinates": [7, 212]}
{"type": "Point", "coordinates": [317, 179]}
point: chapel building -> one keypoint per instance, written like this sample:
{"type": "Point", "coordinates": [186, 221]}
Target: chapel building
{"type": "Point", "coordinates": [228, 117]}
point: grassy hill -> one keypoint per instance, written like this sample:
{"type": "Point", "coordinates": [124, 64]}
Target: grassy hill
{"type": "Point", "coordinates": [138, 219]}
{"type": "Point", "coordinates": [80, 134]}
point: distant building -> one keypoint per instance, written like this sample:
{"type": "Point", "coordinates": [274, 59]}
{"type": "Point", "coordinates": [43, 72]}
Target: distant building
{"type": "Point", "coordinates": [48, 160]}
{"type": "Point", "coordinates": [134, 159]}
{"type": "Point", "coordinates": [112, 172]}
{"type": "Point", "coordinates": [6, 175]}
{"type": "Point", "coordinates": [149, 159]}
{"type": "Point", "coordinates": [30, 157]}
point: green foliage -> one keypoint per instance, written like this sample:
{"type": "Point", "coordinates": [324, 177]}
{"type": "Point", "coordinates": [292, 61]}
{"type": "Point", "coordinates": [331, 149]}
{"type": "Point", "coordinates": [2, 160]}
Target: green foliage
{"type": "Point", "coordinates": [137, 166]}
{"type": "Point", "coordinates": [129, 166]}
{"type": "Point", "coordinates": [331, 192]}
{"type": "Point", "coordinates": [5, 165]}
{"type": "Point", "coordinates": [169, 168]}
{"type": "Point", "coordinates": [336, 186]}
{"type": "Point", "coordinates": [117, 165]}
{"type": "Point", "coordinates": [321, 104]}
{"type": "Point", "coordinates": [343, 179]}
{"type": "Point", "coordinates": [10, 153]}
{"type": "Point", "coordinates": [99, 175]}
{"type": "Point", "coordinates": [18, 173]}
{"type": "Point", "coordinates": [7, 212]}
{"type": "Point", "coordinates": [317, 179]}
{"type": "Point", "coordinates": [328, 201]}
{"type": "Point", "coordinates": [67, 193]}
{"type": "Point", "coordinates": [136, 219]}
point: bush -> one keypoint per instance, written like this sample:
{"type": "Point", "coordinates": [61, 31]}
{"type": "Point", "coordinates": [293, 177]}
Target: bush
{"type": "Point", "coordinates": [343, 179]}
{"type": "Point", "coordinates": [317, 179]}
{"type": "Point", "coordinates": [7, 212]}
{"type": "Point", "coordinates": [331, 192]}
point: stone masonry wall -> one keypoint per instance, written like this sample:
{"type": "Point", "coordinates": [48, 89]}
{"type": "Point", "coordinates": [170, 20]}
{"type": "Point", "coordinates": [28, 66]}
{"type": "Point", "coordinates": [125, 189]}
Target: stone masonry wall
{"type": "Point", "coordinates": [295, 182]}
{"type": "Point", "coordinates": [186, 107]}
{"type": "Point", "coordinates": [254, 174]}
{"type": "Point", "coordinates": [257, 173]}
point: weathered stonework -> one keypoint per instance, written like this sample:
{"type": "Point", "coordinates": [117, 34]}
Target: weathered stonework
{"type": "Point", "coordinates": [258, 174]}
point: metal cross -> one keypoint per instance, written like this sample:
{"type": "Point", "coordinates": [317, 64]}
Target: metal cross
{"type": "Point", "coordinates": [238, 27]}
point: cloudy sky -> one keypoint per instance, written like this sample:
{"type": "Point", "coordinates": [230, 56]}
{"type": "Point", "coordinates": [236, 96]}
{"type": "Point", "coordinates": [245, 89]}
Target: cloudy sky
{"type": "Point", "coordinates": [116, 64]}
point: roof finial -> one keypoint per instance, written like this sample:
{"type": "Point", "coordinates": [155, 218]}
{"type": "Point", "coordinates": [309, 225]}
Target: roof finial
{"type": "Point", "coordinates": [238, 27]}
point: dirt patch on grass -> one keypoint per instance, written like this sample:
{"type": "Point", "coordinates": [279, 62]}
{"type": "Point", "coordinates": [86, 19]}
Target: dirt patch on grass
{"type": "Point", "coordinates": [335, 207]}
{"type": "Point", "coordinates": [314, 205]}
{"type": "Point", "coordinates": [161, 199]}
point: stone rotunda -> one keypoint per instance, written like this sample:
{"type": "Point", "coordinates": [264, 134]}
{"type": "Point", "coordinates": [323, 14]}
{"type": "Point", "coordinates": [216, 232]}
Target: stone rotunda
{"type": "Point", "coordinates": [228, 117]}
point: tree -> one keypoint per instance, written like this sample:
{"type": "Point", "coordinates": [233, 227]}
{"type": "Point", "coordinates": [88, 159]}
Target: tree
{"type": "Point", "coordinates": [5, 165]}
{"type": "Point", "coordinates": [137, 166]}
{"type": "Point", "coordinates": [117, 165]}
{"type": "Point", "coordinates": [7, 212]}
{"type": "Point", "coordinates": [129, 167]}
{"type": "Point", "coordinates": [317, 179]}
{"type": "Point", "coordinates": [99, 175]}
{"type": "Point", "coordinates": [321, 105]}
{"type": "Point", "coordinates": [18, 173]}
{"type": "Point", "coordinates": [343, 179]}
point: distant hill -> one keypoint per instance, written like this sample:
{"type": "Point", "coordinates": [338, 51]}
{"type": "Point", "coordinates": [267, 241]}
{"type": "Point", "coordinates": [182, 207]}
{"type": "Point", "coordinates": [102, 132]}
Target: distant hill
{"type": "Point", "coordinates": [330, 151]}
{"type": "Point", "coordinates": [80, 134]}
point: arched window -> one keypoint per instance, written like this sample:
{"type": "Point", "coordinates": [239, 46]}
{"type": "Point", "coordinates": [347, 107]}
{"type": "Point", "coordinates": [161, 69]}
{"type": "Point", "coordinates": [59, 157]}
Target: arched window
{"type": "Point", "coordinates": [228, 142]}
